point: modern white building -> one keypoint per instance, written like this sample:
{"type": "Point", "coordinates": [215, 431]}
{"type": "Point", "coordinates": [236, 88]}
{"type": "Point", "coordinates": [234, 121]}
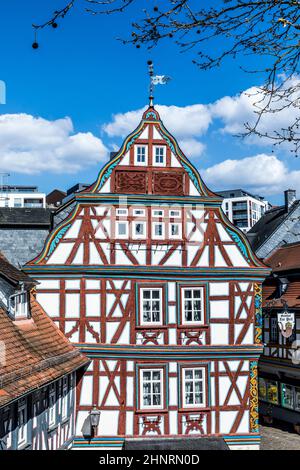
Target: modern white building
{"type": "Point", "coordinates": [21, 196]}
{"type": "Point", "coordinates": [242, 208]}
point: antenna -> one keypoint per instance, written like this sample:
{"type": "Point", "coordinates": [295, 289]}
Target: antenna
{"type": "Point", "coordinates": [151, 85]}
{"type": "Point", "coordinates": [4, 195]}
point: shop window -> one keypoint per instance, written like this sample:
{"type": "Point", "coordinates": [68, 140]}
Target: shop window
{"type": "Point", "coordinates": [287, 396]}
{"type": "Point", "coordinates": [272, 392]}
{"type": "Point", "coordinates": [262, 389]}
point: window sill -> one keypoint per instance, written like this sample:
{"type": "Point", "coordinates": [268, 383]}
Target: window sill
{"type": "Point", "coordinates": [151, 327]}
{"type": "Point", "coordinates": [152, 411]}
{"type": "Point", "coordinates": [192, 326]}
{"type": "Point", "coordinates": [191, 409]}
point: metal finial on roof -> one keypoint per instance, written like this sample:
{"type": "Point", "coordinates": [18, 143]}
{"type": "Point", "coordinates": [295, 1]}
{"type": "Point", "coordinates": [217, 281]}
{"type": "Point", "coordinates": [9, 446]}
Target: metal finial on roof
{"type": "Point", "coordinates": [151, 85]}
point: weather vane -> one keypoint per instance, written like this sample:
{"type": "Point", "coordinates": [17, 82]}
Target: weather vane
{"type": "Point", "coordinates": [155, 80]}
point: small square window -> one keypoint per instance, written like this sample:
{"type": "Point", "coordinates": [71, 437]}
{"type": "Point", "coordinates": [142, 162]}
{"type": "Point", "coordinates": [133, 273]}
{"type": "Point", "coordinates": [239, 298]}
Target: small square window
{"type": "Point", "coordinates": [174, 213]}
{"type": "Point", "coordinates": [122, 212]}
{"type": "Point", "coordinates": [157, 213]}
{"type": "Point", "coordinates": [139, 212]}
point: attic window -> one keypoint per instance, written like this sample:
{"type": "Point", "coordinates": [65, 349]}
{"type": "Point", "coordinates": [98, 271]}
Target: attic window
{"type": "Point", "coordinates": [18, 305]}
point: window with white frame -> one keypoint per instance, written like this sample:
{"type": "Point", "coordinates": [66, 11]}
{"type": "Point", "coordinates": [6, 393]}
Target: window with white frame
{"type": "Point", "coordinates": [192, 305]}
{"type": "Point", "coordinates": [157, 213]}
{"type": "Point", "coordinates": [122, 212]}
{"type": "Point", "coordinates": [139, 229]}
{"type": "Point", "coordinates": [151, 306]}
{"type": "Point", "coordinates": [157, 230]}
{"type": "Point", "coordinates": [22, 424]}
{"type": "Point", "coordinates": [159, 156]}
{"type": "Point", "coordinates": [193, 387]}
{"type": "Point", "coordinates": [174, 213]}
{"type": "Point", "coordinates": [52, 407]}
{"type": "Point", "coordinates": [139, 212]}
{"type": "Point", "coordinates": [64, 399]}
{"type": "Point", "coordinates": [151, 388]}
{"type": "Point", "coordinates": [18, 304]}
{"type": "Point", "coordinates": [141, 154]}
{"type": "Point", "coordinates": [122, 229]}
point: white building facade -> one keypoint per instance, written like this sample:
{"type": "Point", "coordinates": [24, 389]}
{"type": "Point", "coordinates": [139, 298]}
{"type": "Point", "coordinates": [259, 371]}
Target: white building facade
{"type": "Point", "coordinates": [21, 196]}
{"type": "Point", "coordinates": [242, 208]}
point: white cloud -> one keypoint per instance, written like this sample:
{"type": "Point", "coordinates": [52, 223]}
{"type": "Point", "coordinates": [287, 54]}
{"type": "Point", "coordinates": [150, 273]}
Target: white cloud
{"type": "Point", "coordinates": [235, 111]}
{"type": "Point", "coordinates": [191, 147]}
{"type": "Point", "coordinates": [183, 122]}
{"type": "Point", "coordinates": [32, 145]}
{"type": "Point", "coordinates": [264, 174]}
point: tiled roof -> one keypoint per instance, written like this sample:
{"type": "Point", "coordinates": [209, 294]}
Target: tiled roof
{"type": "Point", "coordinates": [286, 258]}
{"type": "Point", "coordinates": [33, 353]}
{"type": "Point", "coordinates": [291, 296]}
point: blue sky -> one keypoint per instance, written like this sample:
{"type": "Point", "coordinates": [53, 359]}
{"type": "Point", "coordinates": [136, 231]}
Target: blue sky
{"type": "Point", "coordinates": [59, 121]}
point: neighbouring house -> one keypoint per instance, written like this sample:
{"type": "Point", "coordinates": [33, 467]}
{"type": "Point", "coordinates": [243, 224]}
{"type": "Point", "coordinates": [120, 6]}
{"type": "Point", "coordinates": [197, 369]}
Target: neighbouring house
{"type": "Point", "coordinates": [144, 273]}
{"type": "Point", "coordinates": [279, 372]}
{"type": "Point", "coordinates": [23, 232]}
{"type": "Point", "coordinates": [55, 197]}
{"type": "Point", "coordinates": [39, 370]}
{"type": "Point", "coordinates": [279, 226]}
{"type": "Point", "coordinates": [242, 208]}
{"type": "Point", "coordinates": [21, 196]}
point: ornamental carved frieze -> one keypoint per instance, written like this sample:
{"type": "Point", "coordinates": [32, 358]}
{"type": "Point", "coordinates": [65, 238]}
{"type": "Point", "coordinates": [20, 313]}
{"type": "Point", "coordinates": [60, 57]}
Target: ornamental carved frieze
{"type": "Point", "coordinates": [168, 183]}
{"type": "Point", "coordinates": [131, 182]}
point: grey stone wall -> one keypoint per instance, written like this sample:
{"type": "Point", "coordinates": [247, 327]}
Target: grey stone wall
{"type": "Point", "coordinates": [22, 245]}
{"type": "Point", "coordinates": [287, 232]}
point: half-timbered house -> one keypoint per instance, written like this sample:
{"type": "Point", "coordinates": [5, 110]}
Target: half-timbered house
{"type": "Point", "coordinates": [148, 277]}
{"type": "Point", "coordinates": [279, 374]}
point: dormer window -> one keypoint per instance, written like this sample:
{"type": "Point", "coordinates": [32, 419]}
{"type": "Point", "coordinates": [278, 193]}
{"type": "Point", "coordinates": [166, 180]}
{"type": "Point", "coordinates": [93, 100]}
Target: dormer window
{"type": "Point", "coordinates": [18, 305]}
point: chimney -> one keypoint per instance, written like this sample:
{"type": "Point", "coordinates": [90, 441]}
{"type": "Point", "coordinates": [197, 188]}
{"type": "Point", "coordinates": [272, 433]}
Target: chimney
{"type": "Point", "coordinates": [289, 198]}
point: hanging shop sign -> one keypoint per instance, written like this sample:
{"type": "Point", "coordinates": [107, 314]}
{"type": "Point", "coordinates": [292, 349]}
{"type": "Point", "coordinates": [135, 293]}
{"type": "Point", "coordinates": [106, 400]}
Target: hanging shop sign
{"type": "Point", "coordinates": [286, 323]}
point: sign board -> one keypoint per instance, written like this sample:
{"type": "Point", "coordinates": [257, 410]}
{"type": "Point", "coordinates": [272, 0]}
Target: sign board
{"type": "Point", "coordinates": [286, 323]}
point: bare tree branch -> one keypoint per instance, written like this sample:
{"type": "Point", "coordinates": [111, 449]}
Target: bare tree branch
{"type": "Point", "coordinates": [268, 30]}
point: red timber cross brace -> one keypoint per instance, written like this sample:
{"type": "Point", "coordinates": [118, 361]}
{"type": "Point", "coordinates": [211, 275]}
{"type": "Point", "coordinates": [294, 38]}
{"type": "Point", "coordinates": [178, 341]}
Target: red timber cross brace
{"type": "Point", "coordinates": [148, 277]}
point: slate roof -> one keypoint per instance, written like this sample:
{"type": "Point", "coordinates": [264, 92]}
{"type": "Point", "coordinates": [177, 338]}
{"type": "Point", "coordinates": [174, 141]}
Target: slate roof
{"type": "Point", "coordinates": [186, 443]}
{"type": "Point", "coordinates": [12, 274]}
{"type": "Point", "coordinates": [21, 216]}
{"type": "Point", "coordinates": [33, 352]}
{"type": "Point", "coordinates": [266, 225]}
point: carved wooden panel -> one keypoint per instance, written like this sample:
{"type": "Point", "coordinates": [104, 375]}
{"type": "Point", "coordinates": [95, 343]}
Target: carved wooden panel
{"type": "Point", "coordinates": [131, 182]}
{"type": "Point", "coordinates": [168, 183]}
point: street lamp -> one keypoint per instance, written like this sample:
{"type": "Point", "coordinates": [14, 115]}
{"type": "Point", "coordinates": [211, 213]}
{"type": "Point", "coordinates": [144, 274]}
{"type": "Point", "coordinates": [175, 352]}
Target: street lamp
{"type": "Point", "coordinates": [91, 423]}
